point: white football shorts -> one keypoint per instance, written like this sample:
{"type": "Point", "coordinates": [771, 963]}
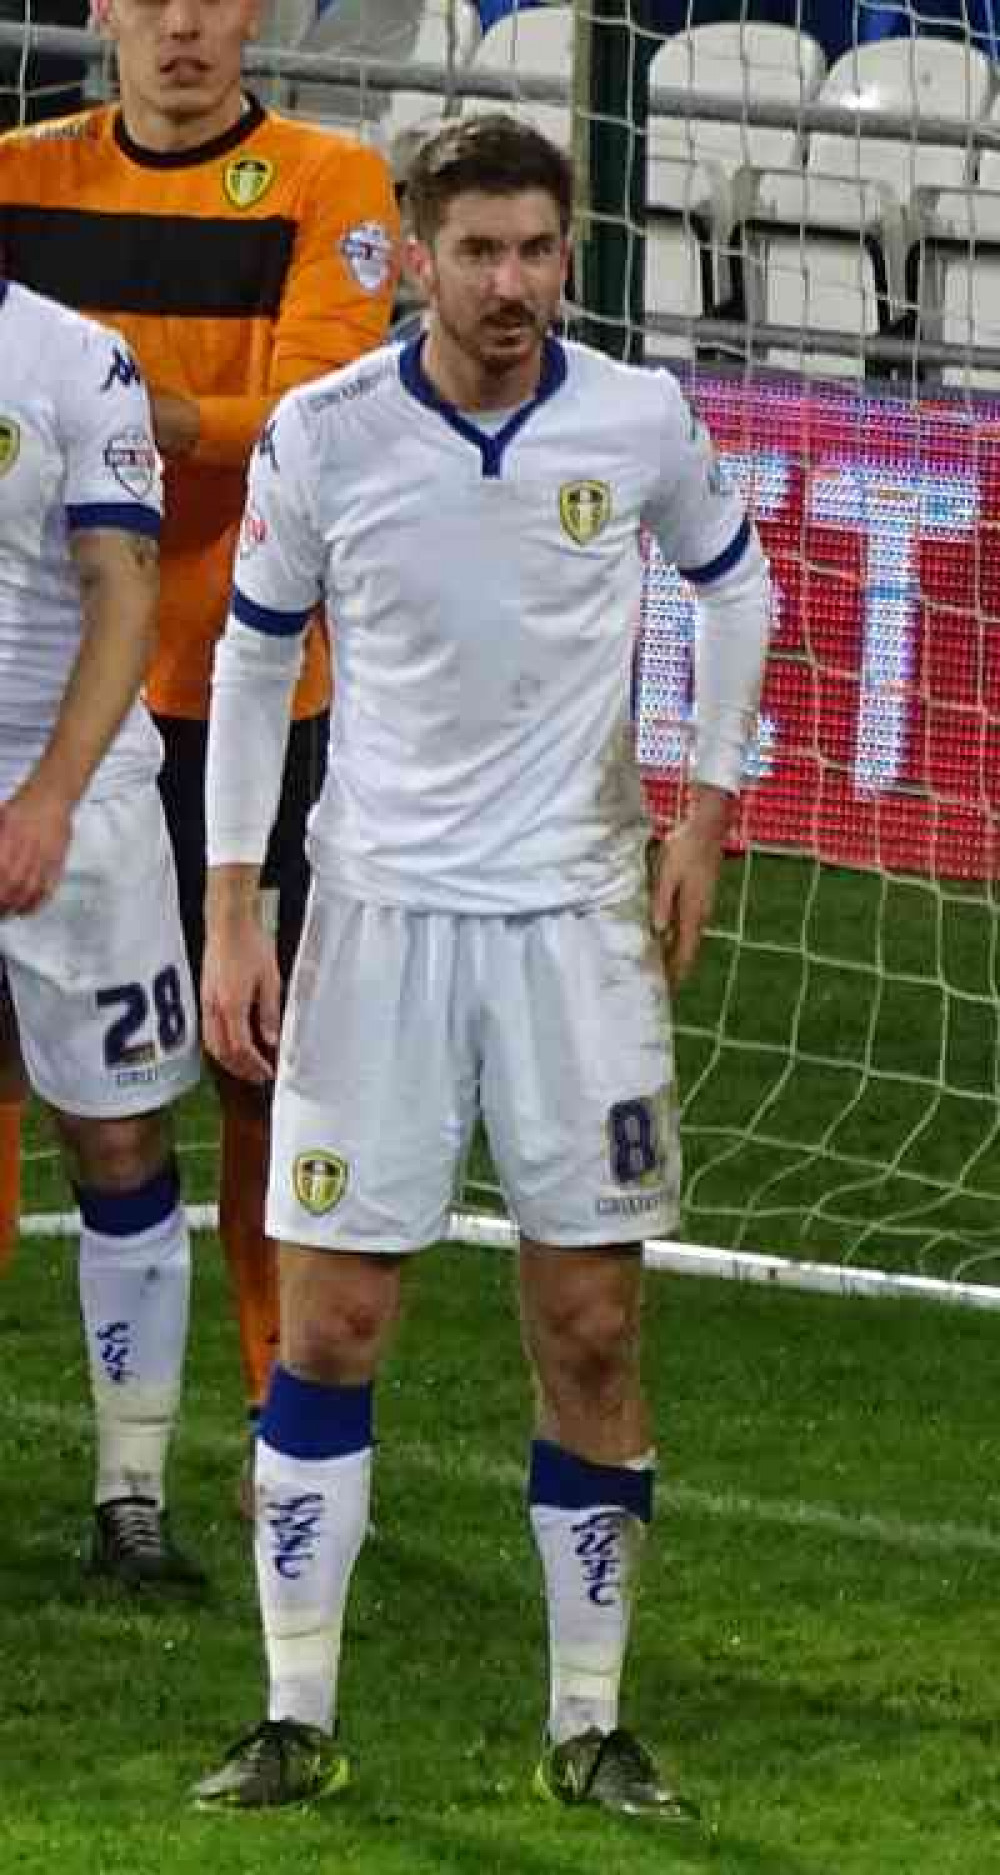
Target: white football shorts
{"type": "Point", "coordinates": [401, 1026]}
{"type": "Point", "coordinates": [99, 975]}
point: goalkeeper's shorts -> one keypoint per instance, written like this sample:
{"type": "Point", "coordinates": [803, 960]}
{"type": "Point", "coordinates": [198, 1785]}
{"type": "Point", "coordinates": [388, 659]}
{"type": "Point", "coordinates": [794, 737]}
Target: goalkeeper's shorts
{"type": "Point", "coordinates": [402, 1026]}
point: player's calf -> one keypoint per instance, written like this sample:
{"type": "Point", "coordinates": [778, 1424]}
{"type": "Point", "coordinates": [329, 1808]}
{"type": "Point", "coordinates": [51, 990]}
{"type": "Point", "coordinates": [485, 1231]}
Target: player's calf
{"type": "Point", "coordinates": [135, 1278]}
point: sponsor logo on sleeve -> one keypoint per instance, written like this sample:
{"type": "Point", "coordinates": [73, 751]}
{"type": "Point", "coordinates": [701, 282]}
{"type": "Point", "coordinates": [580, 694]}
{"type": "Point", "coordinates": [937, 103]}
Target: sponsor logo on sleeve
{"type": "Point", "coordinates": [122, 370]}
{"type": "Point", "coordinates": [59, 130]}
{"type": "Point", "coordinates": [10, 443]}
{"type": "Point", "coordinates": [246, 179]}
{"type": "Point", "coordinates": [584, 510]}
{"type": "Point", "coordinates": [319, 1180]}
{"type": "Point", "coordinates": [131, 457]}
{"type": "Point", "coordinates": [348, 393]}
{"type": "Point", "coordinates": [367, 251]}
{"type": "Point", "coordinates": [253, 533]}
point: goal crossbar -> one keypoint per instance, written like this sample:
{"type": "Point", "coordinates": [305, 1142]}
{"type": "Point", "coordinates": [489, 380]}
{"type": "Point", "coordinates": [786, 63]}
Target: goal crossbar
{"type": "Point", "coordinates": [489, 1232]}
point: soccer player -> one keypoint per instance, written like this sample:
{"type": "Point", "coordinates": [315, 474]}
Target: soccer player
{"type": "Point", "coordinates": [239, 253]}
{"type": "Point", "coordinates": [480, 934]}
{"type": "Point", "coordinates": [97, 995]}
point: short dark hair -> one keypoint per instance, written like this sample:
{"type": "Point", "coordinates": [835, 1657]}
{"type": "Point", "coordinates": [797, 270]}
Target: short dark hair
{"type": "Point", "coordinates": [494, 153]}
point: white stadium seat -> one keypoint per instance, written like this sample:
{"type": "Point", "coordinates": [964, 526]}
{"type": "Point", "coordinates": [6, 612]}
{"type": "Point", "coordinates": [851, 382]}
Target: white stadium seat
{"type": "Point", "coordinates": [446, 38]}
{"type": "Point", "coordinates": [697, 168]}
{"type": "Point", "coordinates": [959, 275]}
{"type": "Point", "coordinates": [433, 32]}
{"type": "Point", "coordinates": [738, 60]}
{"type": "Point", "coordinates": [539, 40]}
{"type": "Point", "coordinates": [829, 247]}
{"type": "Point", "coordinates": [675, 282]}
{"type": "Point", "coordinates": [688, 273]}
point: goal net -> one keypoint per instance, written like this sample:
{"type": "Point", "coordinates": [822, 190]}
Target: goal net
{"type": "Point", "coordinates": [806, 224]}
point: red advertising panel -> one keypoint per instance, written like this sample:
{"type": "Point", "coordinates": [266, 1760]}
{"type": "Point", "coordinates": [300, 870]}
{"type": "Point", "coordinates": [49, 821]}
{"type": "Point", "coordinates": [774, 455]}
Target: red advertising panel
{"type": "Point", "coordinates": [879, 735]}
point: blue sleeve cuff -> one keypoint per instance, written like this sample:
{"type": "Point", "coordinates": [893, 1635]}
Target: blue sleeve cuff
{"type": "Point", "coordinates": [723, 562]}
{"type": "Point", "coordinates": [127, 517]}
{"type": "Point", "coordinates": [266, 618]}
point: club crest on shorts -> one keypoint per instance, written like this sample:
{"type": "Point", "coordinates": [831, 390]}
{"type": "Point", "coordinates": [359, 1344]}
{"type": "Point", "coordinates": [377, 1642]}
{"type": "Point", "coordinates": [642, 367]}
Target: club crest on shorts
{"type": "Point", "coordinates": [584, 509]}
{"type": "Point", "coordinates": [10, 443]}
{"type": "Point", "coordinates": [319, 1180]}
{"type": "Point", "coordinates": [246, 179]}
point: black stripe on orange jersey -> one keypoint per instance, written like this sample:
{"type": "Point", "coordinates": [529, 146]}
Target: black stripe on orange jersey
{"type": "Point", "coordinates": [183, 266]}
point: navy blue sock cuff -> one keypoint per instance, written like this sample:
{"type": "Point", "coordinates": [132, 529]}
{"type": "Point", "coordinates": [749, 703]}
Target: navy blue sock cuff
{"type": "Point", "coordinates": [126, 1213]}
{"type": "Point", "coordinates": [306, 1420]}
{"type": "Point", "coordinates": [564, 1482]}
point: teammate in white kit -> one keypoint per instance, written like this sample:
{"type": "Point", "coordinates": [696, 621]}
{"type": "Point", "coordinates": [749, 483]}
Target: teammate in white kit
{"type": "Point", "coordinates": [480, 935]}
{"type": "Point", "coordinates": [96, 996]}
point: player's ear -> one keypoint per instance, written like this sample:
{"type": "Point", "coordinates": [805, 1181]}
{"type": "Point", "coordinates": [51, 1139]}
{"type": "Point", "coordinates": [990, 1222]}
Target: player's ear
{"type": "Point", "coordinates": [418, 264]}
{"type": "Point", "coordinates": [253, 14]}
{"type": "Point", "coordinates": [100, 16]}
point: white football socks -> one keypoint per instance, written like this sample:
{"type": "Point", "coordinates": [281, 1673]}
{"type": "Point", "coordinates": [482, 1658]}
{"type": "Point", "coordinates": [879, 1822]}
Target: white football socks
{"type": "Point", "coordinates": [312, 1515]}
{"type": "Point", "coordinates": [134, 1297]}
{"type": "Point", "coordinates": [590, 1560]}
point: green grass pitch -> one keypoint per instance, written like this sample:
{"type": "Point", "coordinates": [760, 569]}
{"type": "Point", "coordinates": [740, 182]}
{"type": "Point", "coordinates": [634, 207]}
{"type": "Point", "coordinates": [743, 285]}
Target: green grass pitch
{"type": "Point", "coordinates": [816, 1638]}
{"type": "Point", "coordinates": [818, 1630]}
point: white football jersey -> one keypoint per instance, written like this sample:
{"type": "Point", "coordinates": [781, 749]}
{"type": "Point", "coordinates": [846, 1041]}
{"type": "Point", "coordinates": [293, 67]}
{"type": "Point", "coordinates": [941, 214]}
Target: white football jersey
{"type": "Point", "coordinates": [76, 451]}
{"type": "Point", "coordinates": [482, 590]}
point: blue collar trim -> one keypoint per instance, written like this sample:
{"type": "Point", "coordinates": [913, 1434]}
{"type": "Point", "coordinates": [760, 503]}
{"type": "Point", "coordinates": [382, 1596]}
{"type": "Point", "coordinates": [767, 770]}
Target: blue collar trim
{"type": "Point", "coordinates": [491, 448]}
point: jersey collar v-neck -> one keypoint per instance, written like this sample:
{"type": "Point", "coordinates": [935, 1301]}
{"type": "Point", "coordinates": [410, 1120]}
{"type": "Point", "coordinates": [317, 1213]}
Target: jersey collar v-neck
{"type": "Point", "coordinates": [491, 447]}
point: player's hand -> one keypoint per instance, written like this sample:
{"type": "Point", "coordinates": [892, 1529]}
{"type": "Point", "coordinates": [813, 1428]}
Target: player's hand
{"type": "Point", "coordinates": [176, 421]}
{"type": "Point", "coordinates": [241, 999]}
{"type": "Point", "coordinates": [683, 880]}
{"type": "Point", "coordinates": [36, 826]}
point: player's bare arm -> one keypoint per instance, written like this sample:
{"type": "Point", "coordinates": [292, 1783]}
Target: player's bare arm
{"type": "Point", "coordinates": [241, 983]}
{"type": "Point", "coordinates": [119, 588]}
{"type": "Point", "coordinates": [176, 421]}
{"type": "Point", "coordinates": [686, 877]}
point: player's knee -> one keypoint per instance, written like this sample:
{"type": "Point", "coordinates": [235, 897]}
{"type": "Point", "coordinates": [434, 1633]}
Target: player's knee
{"type": "Point", "coordinates": [338, 1347]}
{"type": "Point", "coordinates": [591, 1350]}
{"type": "Point", "coordinates": [334, 1328]}
{"type": "Point", "coordinates": [114, 1155]}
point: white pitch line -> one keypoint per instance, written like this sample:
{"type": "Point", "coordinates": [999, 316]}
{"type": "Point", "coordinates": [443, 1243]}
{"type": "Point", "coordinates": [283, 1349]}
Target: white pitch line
{"type": "Point", "coordinates": [950, 1539]}
{"type": "Point", "coordinates": [735, 1507]}
{"type": "Point", "coordinates": [863, 1526]}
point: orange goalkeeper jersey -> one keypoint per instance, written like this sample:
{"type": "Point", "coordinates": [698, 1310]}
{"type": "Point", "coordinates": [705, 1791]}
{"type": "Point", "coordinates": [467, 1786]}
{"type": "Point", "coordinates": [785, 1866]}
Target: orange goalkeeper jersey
{"type": "Point", "coordinates": [235, 270]}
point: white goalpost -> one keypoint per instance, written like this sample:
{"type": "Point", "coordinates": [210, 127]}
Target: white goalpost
{"type": "Point", "coordinates": [812, 240]}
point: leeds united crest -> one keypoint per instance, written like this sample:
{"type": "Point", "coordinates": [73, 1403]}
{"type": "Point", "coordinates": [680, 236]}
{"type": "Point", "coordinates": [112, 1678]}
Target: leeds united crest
{"type": "Point", "coordinates": [584, 509]}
